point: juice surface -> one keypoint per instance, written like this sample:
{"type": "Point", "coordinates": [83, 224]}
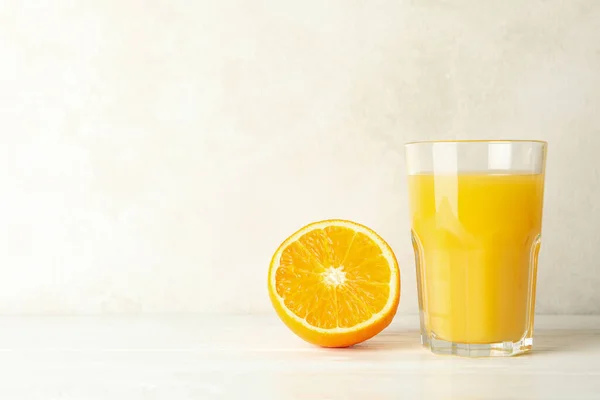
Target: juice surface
{"type": "Point", "coordinates": [477, 238]}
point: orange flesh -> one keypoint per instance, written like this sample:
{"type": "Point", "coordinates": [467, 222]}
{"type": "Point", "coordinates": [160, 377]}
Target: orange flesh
{"type": "Point", "coordinates": [334, 278]}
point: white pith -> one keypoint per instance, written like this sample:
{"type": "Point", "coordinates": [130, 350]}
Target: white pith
{"type": "Point", "coordinates": [334, 276]}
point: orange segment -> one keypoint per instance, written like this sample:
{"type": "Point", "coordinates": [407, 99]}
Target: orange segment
{"type": "Point", "coordinates": [335, 283]}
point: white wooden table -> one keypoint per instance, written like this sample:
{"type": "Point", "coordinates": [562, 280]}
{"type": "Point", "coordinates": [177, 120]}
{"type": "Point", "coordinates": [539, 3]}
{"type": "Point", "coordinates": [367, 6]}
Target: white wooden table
{"type": "Point", "coordinates": [243, 357]}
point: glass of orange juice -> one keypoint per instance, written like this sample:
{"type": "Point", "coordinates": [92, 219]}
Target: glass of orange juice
{"type": "Point", "coordinates": [476, 211]}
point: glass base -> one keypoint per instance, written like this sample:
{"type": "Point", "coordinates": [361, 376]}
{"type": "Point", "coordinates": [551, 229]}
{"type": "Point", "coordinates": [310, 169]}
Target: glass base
{"type": "Point", "coordinates": [503, 349]}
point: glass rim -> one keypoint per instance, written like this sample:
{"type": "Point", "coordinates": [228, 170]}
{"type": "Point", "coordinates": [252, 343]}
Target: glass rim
{"type": "Point", "coordinates": [542, 142]}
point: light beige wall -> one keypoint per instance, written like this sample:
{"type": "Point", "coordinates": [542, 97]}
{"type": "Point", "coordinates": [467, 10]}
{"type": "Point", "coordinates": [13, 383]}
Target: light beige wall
{"type": "Point", "coordinates": [153, 154]}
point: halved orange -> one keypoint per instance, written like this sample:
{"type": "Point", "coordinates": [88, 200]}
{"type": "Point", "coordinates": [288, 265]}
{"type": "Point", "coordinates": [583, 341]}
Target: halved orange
{"type": "Point", "coordinates": [335, 283]}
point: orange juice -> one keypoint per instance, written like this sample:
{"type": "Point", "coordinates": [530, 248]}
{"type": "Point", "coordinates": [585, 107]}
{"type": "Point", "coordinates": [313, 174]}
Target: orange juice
{"type": "Point", "coordinates": [477, 238]}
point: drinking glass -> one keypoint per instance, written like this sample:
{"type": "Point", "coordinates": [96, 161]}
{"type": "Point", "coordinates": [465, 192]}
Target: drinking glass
{"type": "Point", "coordinates": [476, 211]}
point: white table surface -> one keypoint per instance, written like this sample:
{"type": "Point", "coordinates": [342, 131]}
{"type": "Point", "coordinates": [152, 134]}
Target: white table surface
{"type": "Point", "coordinates": [256, 357]}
